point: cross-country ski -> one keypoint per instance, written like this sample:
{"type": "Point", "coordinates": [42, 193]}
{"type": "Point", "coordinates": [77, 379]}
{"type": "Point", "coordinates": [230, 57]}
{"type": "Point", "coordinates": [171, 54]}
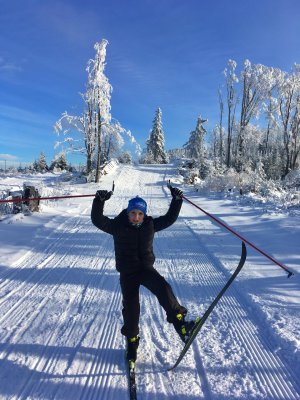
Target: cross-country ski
{"type": "Point", "coordinates": [131, 380]}
{"type": "Point", "coordinates": [201, 320]}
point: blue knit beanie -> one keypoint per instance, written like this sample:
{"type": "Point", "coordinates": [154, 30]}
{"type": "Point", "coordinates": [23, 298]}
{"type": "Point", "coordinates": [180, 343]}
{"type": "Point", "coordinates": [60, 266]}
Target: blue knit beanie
{"type": "Point", "coordinates": [137, 203]}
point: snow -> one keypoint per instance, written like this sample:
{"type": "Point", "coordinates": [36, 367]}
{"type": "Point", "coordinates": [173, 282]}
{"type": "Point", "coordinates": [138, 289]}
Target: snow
{"type": "Point", "coordinates": [60, 301]}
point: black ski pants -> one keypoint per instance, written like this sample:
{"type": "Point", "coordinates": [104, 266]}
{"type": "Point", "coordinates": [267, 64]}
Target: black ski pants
{"type": "Point", "coordinates": [156, 283]}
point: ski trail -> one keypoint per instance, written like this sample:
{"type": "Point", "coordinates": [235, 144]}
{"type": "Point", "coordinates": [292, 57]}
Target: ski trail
{"type": "Point", "coordinates": [153, 381]}
{"type": "Point", "coordinates": [231, 337]}
{"type": "Point", "coordinates": [51, 318]}
{"type": "Point", "coordinates": [61, 311]}
{"type": "Point", "coordinates": [61, 315]}
{"type": "Point", "coordinates": [33, 309]}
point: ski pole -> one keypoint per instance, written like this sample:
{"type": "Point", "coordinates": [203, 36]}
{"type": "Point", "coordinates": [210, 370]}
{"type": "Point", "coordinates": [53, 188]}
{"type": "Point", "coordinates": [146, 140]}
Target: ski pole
{"type": "Point", "coordinates": [239, 236]}
{"type": "Point", "coordinates": [22, 200]}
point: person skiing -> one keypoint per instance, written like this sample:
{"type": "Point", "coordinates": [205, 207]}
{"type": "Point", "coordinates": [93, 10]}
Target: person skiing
{"type": "Point", "coordinates": [133, 232]}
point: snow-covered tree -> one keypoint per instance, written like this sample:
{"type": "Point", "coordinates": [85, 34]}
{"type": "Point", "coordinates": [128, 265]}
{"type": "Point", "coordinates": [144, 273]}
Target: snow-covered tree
{"type": "Point", "coordinates": [289, 111]}
{"type": "Point", "coordinates": [219, 150]}
{"type": "Point", "coordinates": [178, 153]}
{"type": "Point", "coordinates": [195, 145]}
{"type": "Point", "coordinates": [101, 135]}
{"type": "Point", "coordinates": [59, 162]}
{"type": "Point", "coordinates": [96, 113]}
{"type": "Point", "coordinates": [112, 141]}
{"type": "Point", "coordinates": [271, 107]}
{"type": "Point", "coordinates": [264, 91]}
{"type": "Point", "coordinates": [217, 146]}
{"type": "Point", "coordinates": [147, 157]}
{"type": "Point", "coordinates": [125, 158]}
{"type": "Point", "coordinates": [155, 144]}
{"type": "Point", "coordinates": [231, 101]}
{"type": "Point", "coordinates": [195, 148]}
{"type": "Point", "coordinates": [40, 165]}
{"type": "Point", "coordinates": [255, 81]}
{"type": "Point", "coordinates": [97, 99]}
{"type": "Point", "coordinates": [80, 138]}
{"type": "Point", "coordinates": [295, 133]}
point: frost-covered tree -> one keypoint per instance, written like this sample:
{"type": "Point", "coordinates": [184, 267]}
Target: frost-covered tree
{"type": "Point", "coordinates": [273, 158]}
{"type": "Point", "coordinates": [125, 158]}
{"type": "Point", "coordinates": [295, 133]}
{"type": "Point", "coordinates": [100, 135]}
{"type": "Point", "coordinates": [59, 162]}
{"type": "Point", "coordinates": [289, 111]}
{"type": "Point", "coordinates": [195, 148]}
{"type": "Point", "coordinates": [218, 143]}
{"type": "Point", "coordinates": [40, 165]}
{"type": "Point", "coordinates": [255, 81]}
{"type": "Point", "coordinates": [112, 141]}
{"type": "Point", "coordinates": [263, 91]}
{"type": "Point", "coordinates": [231, 101]}
{"type": "Point", "coordinates": [271, 108]}
{"type": "Point", "coordinates": [97, 98]}
{"type": "Point", "coordinates": [155, 144]}
{"type": "Point", "coordinates": [174, 154]}
{"type": "Point", "coordinates": [217, 146]}
{"type": "Point", "coordinates": [219, 150]}
{"type": "Point", "coordinates": [84, 143]}
{"type": "Point", "coordinates": [96, 113]}
{"type": "Point", "coordinates": [195, 145]}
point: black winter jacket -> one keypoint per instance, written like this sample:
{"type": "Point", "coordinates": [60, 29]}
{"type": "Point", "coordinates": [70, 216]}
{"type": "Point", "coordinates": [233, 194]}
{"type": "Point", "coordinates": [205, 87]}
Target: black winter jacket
{"type": "Point", "coordinates": [133, 246]}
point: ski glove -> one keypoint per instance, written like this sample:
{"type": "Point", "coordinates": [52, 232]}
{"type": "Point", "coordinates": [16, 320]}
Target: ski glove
{"type": "Point", "coordinates": [176, 193]}
{"type": "Point", "coordinates": [103, 195]}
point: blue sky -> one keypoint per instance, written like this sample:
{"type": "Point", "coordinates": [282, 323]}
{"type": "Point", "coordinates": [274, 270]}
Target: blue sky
{"type": "Point", "coordinates": [161, 53]}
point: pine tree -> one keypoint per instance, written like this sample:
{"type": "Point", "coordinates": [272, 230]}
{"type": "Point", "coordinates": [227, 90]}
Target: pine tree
{"type": "Point", "coordinates": [125, 158]}
{"type": "Point", "coordinates": [195, 145]}
{"type": "Point", "coordinates": [59, 162]}
{"type": "Point", "coordinates": [155, 143]}
{"type": "Point", "coordinates": [41, 165]}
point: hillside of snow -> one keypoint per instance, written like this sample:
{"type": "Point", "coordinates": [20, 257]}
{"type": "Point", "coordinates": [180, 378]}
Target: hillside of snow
{"type": "Point", "coordinates": [60, 303]}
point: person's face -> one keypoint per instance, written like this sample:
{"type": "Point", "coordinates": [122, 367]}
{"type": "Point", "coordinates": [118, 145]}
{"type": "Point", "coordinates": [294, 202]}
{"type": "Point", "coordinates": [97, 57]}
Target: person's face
{"type": "Point", "coordinates": [136, 216]}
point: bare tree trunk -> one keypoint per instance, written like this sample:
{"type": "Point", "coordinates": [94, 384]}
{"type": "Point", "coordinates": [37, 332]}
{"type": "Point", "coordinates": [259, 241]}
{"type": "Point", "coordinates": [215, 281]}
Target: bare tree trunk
{"type": "Point", "coordinates": [270, 112]}
{"type": "Point", "coordinates": [287, 152]}
{"type": "Point", "coordinates": [244, 120]}
{"type": "Point", "coordinates": [89, 140]}
{"type": "Point", "coordinates": [295, 128]}
{"type": "Point", "coordinates": [231, 103]}
{"type": "Point", "coordinates": [98, 165]}
{"type": "Point", "coordinates": [99, 149]}
{"type": "Point", "coordinates": [88, 164]}
{"type": "Point", "coordinates": [221, 127]}
{"type": "Point", "coordinates": [109, 146]}
{"type": "Point", "coordinates": [285, 113]}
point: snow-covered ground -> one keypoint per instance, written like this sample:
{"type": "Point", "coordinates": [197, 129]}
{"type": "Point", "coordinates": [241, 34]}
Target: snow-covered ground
{"type": "Point", "coordinates": [60, 304]}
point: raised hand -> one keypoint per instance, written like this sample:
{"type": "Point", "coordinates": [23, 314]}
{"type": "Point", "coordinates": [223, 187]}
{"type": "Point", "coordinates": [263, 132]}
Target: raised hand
{"type": "Point", "coordinates": [103, 195]}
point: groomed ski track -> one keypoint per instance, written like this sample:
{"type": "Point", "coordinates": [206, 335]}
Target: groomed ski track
{"type": "Point", "coordinates": [60, 313]}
